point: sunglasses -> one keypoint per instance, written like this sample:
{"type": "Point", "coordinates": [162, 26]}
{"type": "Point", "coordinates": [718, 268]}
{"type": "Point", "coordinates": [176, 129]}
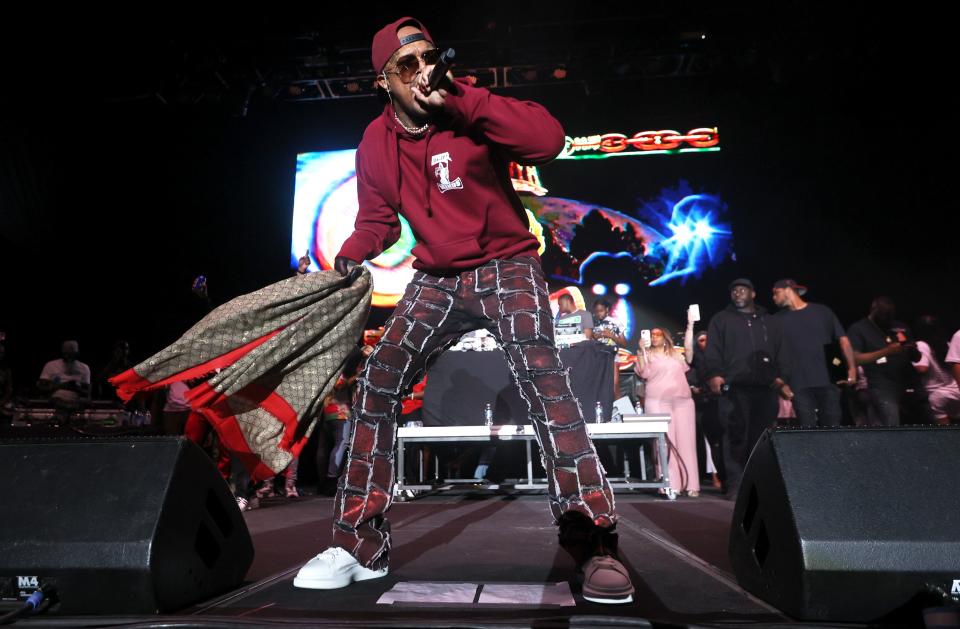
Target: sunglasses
{"type": "Point", "coordinates": [408, 66]}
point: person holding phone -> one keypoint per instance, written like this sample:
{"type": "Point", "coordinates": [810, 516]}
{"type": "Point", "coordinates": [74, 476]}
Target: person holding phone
{"type": "Point", "coordinates": [664, 370]}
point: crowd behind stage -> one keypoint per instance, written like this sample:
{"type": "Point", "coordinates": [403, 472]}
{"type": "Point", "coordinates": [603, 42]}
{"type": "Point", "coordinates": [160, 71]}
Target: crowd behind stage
{"type": "Point", "coordinates": [748, 369]}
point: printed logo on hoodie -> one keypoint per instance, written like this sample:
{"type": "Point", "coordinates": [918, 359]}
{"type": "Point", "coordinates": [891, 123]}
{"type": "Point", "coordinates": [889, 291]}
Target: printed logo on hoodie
{"type": "Point", "coordinates": [442, 171]}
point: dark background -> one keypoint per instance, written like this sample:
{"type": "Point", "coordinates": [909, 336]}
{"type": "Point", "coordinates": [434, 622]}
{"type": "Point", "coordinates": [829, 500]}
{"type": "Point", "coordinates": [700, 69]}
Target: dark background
{"type": "Point", "coordinates": [137, 151]}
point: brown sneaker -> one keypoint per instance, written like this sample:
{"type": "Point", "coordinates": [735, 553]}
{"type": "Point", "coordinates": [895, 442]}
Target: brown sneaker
{"type": "Point", "coordinates": [594, 549]}
{"type": "Point", "coordinates": [606, 581]}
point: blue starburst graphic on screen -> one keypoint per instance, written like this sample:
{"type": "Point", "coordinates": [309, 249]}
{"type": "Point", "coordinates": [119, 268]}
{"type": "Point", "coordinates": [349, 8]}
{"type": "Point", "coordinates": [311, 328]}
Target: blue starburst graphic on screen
{"type": "Point", "coordinates": [694, 235]}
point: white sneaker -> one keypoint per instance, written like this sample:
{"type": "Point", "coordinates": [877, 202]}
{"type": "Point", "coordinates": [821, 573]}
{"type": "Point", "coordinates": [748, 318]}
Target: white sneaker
{"type": "Point", "coordinates": [334, 568]}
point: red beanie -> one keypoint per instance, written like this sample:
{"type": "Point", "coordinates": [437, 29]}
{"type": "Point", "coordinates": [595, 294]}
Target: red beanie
{"type": "Point", "coordinates": [386, 42]}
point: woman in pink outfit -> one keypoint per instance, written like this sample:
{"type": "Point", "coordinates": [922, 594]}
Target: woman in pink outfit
{"type": "Point", "coordinates": [667, 391]}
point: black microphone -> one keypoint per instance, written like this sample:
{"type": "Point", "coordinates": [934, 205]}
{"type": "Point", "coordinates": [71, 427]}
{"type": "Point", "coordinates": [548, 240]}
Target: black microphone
{"type": "Point", "coordinates": [441, 68]}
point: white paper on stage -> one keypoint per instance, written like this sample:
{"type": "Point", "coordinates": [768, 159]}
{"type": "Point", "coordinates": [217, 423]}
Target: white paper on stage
{"type": "Point", "coordinates": [557, 594]}
{"type": "Point", "coordinates": [427, 592]}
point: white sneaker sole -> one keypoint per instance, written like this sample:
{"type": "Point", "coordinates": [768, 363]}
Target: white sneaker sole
{"type": "Point", "coordinates": [358, 573]}
{"type": "Point", "coordinates": [609, 601]}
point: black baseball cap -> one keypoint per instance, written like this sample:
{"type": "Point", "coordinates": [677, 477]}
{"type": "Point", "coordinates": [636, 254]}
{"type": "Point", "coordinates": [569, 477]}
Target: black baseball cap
{"type": "Point", "coordinates": [741, 282]}
{"type": "Point", "coordinates": [788, 283]}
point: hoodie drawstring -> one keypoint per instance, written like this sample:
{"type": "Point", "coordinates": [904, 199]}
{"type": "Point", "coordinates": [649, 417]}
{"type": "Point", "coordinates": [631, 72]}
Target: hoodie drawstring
{"type": "Point", "coordinates": [396, 139]}
{"type": "Point", "coordinates": [389, 114]}
{"type": "Point", "coordinates": [426, 172]}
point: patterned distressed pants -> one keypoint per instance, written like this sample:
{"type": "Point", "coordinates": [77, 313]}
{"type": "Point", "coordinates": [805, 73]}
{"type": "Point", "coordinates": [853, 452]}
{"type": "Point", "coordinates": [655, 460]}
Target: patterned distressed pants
{"type": "Point", "coordinates": [509, 298]}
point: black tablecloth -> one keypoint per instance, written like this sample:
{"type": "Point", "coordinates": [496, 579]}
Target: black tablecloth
{"type": "Point", "coordinates": [460, 384]}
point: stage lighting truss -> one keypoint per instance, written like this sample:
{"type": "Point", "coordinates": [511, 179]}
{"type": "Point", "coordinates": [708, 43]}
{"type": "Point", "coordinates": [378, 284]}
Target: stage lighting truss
{"type": "Point", "coordinates": [489, 77]}
{"type": "Point", "coordinates": [538, 74]}
{"type": "Point", "coordinates": [510, 76]}
{"type": "Point", "coordinates": [325, 89]}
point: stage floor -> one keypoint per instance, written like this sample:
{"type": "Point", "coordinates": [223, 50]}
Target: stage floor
{"type": "Point", "coordinates": [675, 550]}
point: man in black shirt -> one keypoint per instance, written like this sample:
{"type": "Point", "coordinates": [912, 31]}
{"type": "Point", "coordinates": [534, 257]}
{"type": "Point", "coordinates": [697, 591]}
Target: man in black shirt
{"type": "Point", "coordinates": [808, 329]}
{"type": "Point", "coordinates": [882, 346]}
{"type": "Point", "coordinates": [745, 361]}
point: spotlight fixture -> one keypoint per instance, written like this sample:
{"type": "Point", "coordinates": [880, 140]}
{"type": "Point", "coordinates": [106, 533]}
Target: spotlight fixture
{"type": "Point", "coordinates": [599, 289]}
{"type": "Point", "coordinates": [622, 289]}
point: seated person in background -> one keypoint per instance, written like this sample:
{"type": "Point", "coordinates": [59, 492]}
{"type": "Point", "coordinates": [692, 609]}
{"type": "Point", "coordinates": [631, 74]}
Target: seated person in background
{"type": "Point", "coordinates": [572, 323]}
{"type": "Point", "coordinates": [66, 380]}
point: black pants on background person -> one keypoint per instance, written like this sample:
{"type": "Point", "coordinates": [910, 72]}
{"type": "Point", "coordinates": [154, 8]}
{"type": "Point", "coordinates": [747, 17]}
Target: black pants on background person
{"type": "Point", "coordinates": [744, 413]}
{"type": "Point", "coordinates": [817, 403]}
{"type": "Point", "coordinates": [708, 414]}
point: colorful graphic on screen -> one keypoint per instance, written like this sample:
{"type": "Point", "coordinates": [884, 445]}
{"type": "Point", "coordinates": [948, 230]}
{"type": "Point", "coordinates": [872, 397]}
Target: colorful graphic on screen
{"type": "Point", "coordinates": [678, 235]}
{"type": "Point", "coordinates": [324, 211]}
{"type": "Point", "coordinates": [673, 236]}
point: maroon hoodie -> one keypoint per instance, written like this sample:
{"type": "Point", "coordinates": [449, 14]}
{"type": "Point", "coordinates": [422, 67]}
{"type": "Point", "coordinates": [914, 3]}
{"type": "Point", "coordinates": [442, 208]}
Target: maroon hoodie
{"type": "Point", "coordinates": [452, 183]}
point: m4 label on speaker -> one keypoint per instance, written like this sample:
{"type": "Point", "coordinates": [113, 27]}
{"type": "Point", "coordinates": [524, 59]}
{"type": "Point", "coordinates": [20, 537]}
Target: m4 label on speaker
{"type": "Point", "coordinates": [18, 588]}
{"type": "Point", "coordinates": [956, 587]}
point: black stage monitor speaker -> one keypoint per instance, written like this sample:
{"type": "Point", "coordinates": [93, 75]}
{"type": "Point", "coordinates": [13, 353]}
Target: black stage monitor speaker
{"type": "Point", "coordinates": [849, 524]}
{"type": "Point", "coordinates": [135, 525]}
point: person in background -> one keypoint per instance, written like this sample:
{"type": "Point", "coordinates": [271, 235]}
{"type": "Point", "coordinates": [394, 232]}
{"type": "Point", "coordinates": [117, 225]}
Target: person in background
{"type": "Point", "coordinates": [808, 328]}
{"type": "Point", "coordinates": [943, 394]}
{"type": "Point", "coordinates": [708, 420]}
{"type": "Point", "coordinates": [952, 358]}
{"type": "Point", "coordinates": [6, 387]}
{"type": "Point", "coordinates": [336, 416]}
{"type": "Point", "coordinates": [571, 321]}
{"type": "Point", "coordinates": [175, 409]}
{"type": "Point", "coordinates": [882, 346]}
{"type": "Point", "coordinates": [118, 363]}
{"type": "Point", "coordinates": [66, 379]}
{"type": "Point", "coordinates": [746, 365]}
{"type": "Point", "coordinates": [608, 331]}
{"type": "Point", "coordinates": [664, 370]}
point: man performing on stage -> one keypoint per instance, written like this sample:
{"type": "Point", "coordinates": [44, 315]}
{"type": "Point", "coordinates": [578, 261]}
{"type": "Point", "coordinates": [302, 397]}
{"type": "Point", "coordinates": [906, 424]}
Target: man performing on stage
{"type": "Point", "coordinates": [440, 158]}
